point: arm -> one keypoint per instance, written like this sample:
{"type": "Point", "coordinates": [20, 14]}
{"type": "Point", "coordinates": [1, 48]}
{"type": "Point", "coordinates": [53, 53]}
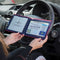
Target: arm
{"type": "Point", "coordinates": [20, 53]}
{"type": "Point", "coordinates": [38, 43]}
{"type": "Point", "coordinates": [12, 38]}
{"type": "Point", "coordinates": [35, 44]}
{"type": "Point", "coordinates": [2, 54]}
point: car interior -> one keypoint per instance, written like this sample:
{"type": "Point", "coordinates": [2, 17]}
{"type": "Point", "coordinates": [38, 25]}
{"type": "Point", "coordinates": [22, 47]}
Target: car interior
{"type": "Point", "coordinates": [35, 8]}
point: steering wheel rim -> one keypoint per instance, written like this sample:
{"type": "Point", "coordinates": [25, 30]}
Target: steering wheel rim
{"type": "Point", "coordinates": [34, 2]}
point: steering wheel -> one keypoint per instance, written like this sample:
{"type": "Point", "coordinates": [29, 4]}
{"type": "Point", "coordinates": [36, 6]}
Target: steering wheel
{"type": "Point", "coordinates": [38, 4]}
{"type": "Point", "coordinates": [54, 34]}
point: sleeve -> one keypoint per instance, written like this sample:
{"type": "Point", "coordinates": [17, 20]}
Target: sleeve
{"type": "Point", "coordinates": [20, 53]}
{"type": "Point", "coordinates": [26, 51]}
{"type": "Point", "coordinates": [2, 54]}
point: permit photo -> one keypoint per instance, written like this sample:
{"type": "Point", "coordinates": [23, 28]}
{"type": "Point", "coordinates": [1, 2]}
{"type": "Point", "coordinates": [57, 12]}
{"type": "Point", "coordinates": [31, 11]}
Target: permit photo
{"type": "Point", "coordinates": [36, 28]}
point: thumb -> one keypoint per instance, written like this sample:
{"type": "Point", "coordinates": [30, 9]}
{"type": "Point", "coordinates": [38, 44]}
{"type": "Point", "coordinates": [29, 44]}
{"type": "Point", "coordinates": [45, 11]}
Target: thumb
{"type": "Point", "coordinates": [38, 39]}
{"type": "Point", "coordinates": [22, 35]}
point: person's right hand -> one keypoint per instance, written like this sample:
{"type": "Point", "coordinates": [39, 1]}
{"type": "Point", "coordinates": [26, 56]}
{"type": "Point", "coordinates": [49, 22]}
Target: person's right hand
{"type": "Point", "coordinates": [38, 43]}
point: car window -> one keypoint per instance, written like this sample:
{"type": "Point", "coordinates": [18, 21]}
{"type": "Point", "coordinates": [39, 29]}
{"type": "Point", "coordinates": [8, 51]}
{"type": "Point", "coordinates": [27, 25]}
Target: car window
{"type": "Point", "coordinates": [23, 1]}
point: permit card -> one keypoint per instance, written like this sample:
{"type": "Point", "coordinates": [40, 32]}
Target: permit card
{"type": "Point", "coordinates": [36, 28]}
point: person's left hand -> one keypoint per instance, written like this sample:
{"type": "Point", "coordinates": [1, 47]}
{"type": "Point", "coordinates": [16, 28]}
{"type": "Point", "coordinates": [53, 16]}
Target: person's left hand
{"type": "Point", "coordinates": [37, 43]}
{"type": "Point", "coordinates": [12, 38]}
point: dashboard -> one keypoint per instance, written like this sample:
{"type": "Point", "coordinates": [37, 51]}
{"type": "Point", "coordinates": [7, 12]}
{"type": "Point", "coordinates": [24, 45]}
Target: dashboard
{"type": "Point", "coordinates": [12, 9]}
{"type": "Point", "coordinates": [9, 10]}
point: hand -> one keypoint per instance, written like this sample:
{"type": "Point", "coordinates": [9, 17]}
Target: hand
{"type": "Point", "coordinates": [1, 35]}
{"type": "Point", "coordinates": [38, 43]}
{"type": "Point", "coordinates": [12, 38]}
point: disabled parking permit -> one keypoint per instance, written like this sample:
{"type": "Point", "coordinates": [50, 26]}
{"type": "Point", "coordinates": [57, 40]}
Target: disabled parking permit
{"type": "Point", "coordinates": [28, 26]}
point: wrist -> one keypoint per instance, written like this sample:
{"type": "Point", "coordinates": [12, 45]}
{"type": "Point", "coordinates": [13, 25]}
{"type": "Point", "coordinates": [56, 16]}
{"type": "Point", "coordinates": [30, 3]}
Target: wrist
{"type": "Point", "coordinates": [31, 48]}
{"type": "Point", "coordinates": [6, 42]}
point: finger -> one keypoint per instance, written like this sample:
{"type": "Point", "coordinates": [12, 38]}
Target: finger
{"type": "Point", "coordinates": [38, 39]}
{"type": "Point", "coordinates": [22, 35]}
{"type": "Point", "coordinates": [18, 33]}
{"type": "Point", "coordinates": [45, 40]}
{"type": "Point", "coordinates": [14, 34]}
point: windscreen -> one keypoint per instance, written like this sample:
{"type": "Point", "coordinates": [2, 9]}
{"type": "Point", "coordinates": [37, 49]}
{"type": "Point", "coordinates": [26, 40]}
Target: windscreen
{"type": "Point", "coordinates": [21, 1]}
{"type": "Point", "coordinates": [24, 1]}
